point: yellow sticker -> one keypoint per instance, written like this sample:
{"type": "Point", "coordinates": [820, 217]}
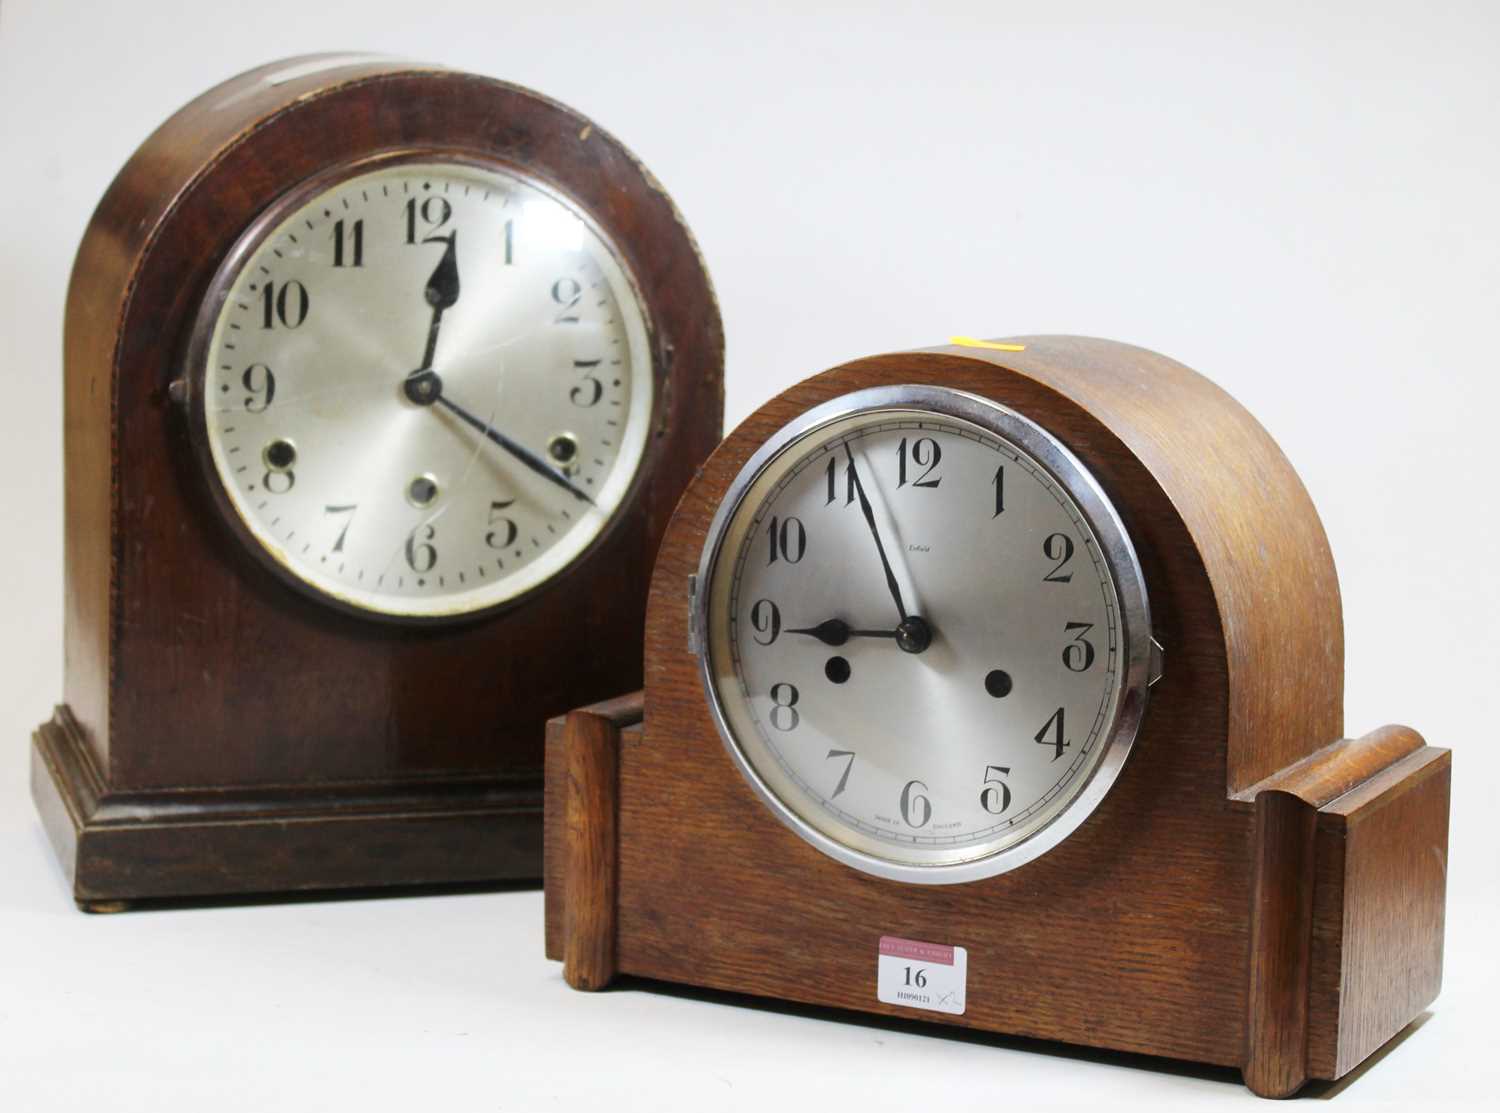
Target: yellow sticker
{"type": "Point", "coordinates": [993, 345]}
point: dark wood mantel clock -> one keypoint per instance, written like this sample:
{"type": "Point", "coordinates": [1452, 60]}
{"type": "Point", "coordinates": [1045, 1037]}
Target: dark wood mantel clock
{"type": "Point", "coordinates": [1000, 684]}
{"type": "Point", "coordinates": [382, 381]}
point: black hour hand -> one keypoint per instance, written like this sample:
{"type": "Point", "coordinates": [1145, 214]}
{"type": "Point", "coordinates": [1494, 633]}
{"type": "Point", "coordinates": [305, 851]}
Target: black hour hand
{"type": "Point", "coordinates": [442, 287]}
{"type": "Point", "coordinates": [836, 631]}
{"type": "Point", "coordinates": [442, 294]}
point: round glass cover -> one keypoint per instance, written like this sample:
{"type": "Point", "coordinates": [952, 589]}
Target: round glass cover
{"type": "Point", "coordinates": [927, 635]}
{"type": "Point", "coordinates": [424, 385]}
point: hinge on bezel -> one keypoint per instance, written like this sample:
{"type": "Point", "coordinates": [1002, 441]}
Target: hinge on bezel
{"type": "Point", "coordinates": [695, 639]}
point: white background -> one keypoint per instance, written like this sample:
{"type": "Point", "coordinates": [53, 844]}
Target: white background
{"type": "Point", "coordinates": [1299, 200]}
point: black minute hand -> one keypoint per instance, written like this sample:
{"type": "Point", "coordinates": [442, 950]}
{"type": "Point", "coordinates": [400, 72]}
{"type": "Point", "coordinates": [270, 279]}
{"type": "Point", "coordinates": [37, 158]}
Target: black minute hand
{"type": "Point", "coordinates": [864, 505]}
{"type": "Point", "coordinates": [424, 387]}
{"type": "Point", "coordinates": [520, 452]}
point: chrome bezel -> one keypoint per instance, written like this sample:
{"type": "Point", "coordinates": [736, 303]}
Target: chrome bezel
{"type": "Point", "coordinates": [1115, 546]}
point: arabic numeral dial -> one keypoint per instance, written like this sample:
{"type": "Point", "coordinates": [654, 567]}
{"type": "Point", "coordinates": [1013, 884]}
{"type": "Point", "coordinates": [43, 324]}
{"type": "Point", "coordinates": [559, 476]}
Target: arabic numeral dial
{"type": "Point", "coordinates": [924, 662]}
{"type": "Point", "coordinates": [425, 386]}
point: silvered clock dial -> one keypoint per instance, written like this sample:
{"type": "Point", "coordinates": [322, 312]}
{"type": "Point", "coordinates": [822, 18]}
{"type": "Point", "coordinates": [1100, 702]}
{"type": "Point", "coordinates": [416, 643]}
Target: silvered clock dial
{"type": "Point", "coordinates": [423, 385]}
{"type": "Point", "coordinates": [923, 619]}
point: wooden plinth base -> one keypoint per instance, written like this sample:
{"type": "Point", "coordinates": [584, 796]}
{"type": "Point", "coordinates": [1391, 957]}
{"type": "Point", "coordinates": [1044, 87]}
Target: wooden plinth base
{"type": "Point", "coordinates": [120, 848]}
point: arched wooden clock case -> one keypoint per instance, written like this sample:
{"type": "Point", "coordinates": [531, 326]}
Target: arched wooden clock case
{"type": "Point", "coordinates": [223, 733]}
{"type": "Point", "coordinates": [1255, 890]}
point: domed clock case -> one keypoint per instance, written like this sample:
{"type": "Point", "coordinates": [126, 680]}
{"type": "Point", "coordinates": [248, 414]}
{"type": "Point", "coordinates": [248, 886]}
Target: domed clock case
{"type": "Point", "coordinates": [1255, 889]}
{"type": "Point", "coordinates": [226, 728]}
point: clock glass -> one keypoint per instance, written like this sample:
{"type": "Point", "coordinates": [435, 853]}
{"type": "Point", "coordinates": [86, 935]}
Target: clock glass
{"type": "Point", "coordinates": [926, 633]}
{"type": "Point", "coordinates": [423, 385]}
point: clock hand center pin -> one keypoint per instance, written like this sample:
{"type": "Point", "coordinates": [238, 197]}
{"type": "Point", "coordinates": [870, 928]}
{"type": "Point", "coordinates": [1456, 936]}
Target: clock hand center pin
{"type": "Point", "coordinates": [914, 634]}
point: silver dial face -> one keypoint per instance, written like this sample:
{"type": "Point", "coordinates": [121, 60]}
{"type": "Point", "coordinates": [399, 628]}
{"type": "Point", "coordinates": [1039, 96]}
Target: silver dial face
{"type": "Point", "coordinates": [925, 634]}
{"type": "Point", "coordinates": [426, 386]}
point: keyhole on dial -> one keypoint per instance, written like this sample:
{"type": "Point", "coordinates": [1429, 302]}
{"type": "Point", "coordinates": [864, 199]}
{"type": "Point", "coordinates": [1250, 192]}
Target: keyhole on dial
{"type": "Point", "coordinates": [997, 683]}
{"type": "Point", "coordinates": [422, 490]}
{"type": "Point", "coordinates": [563, 449]}
{"type": "Point", "coordinates": [279, 455]}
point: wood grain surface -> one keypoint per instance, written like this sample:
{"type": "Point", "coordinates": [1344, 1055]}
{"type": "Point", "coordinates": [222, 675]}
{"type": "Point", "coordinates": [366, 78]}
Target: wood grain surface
{"type": "Point", "coordinates": [591, 760]}
{"type": "Point", "coordinates": [208, 700]}
{"type": "Point", "coordinates": [1141, 930]}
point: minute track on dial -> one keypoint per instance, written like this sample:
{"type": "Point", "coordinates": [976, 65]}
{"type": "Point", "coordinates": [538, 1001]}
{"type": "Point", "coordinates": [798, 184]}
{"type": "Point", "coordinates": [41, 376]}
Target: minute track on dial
{"type": "Point", "coordinates": [480, 278]}
{"type": "Point", "coordinates": [1016, 689]}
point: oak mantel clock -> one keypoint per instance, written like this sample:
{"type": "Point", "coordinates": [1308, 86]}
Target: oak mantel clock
{"type": "Point", "coordinates": [382, 381]}
{"type": "Point", "coordinates": [1000, 684]}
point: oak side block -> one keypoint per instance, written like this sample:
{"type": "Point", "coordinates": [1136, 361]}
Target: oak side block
{"type": "Point", "coordinates": [580, 837]}
{"type": "Point", "coordinates": [1351, 852]}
